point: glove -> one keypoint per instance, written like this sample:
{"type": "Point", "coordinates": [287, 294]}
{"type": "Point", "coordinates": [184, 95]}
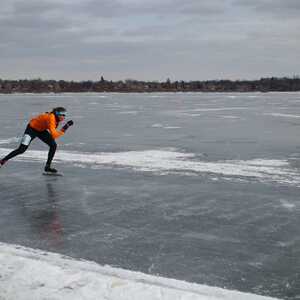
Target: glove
{"type": "Point", "coordinates": [67, 125]}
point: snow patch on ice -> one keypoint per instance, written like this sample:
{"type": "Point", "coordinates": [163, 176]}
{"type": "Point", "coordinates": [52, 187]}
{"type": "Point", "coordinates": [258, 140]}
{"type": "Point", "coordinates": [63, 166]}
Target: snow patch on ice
{"type": "Point", "coordinates": [219, 109]}
{"type": "Point", "coordinates": [34, 274]}
{"type": "Point", "coordinates": [192, 115]}
{"type": "Point", "coordinates": [230, 117]}
{"type": "Point", "coordinates": [129, 112]}
{"type": "Point", "coordinates": [167, 161]}
{"type": "Point", "coordinates": [287, 205]}
{"type": "Point", "coordinates": [172, 127]}
{"type": "Point", "coordinates": [282, 115]}
{"type": "Point", "coordinates": [9, 140]}
{"type": "Point", "coordinates": [157, 96]}
{"type": "Point", "coordinates": [158, 125]}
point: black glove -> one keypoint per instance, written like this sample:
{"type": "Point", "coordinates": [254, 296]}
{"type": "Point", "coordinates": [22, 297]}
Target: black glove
{"type": "Point", "coordinates": [67, 125]}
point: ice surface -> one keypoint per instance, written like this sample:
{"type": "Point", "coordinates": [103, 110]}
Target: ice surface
{"type": "Point", "coordinates": [33, 274]}
{"type": "Point", "coordinates": [196, 187]}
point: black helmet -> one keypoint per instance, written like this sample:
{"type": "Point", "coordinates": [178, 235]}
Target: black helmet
{"type": "Point", "coordinates": [59, 111]}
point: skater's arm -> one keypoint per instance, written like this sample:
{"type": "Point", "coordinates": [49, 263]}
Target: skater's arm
{"type": "Point", "coordinates": [52, 128]}
{"type": "Point", "coordinates": [67, 125]}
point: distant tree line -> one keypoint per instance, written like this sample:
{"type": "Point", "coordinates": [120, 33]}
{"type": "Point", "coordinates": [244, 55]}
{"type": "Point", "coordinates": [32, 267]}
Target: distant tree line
{"type": "Point", "coordinates": [284, 84]}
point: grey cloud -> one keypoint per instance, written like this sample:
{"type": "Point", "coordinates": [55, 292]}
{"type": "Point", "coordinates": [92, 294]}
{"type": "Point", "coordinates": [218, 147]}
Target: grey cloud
{"type": "Point", "coordinates": [149, 32]}
{"type": "Point", "coordinates": [206, 8]}
{"type": "Point", "coordinates": [32, 15]}
{"type": "Point", "coordinates": [208, 63]}
{"type": "Point", "coordinates": [35, 7]}
{"type": "Point", "coordinates": [103, 8]}
{"type": "Point", "coordinates": [33, 22]}
{"type": "Point", "coordinates": [281, 8]}
{"type": "Point", "coordinates": [188, 7]}
{"type": "Point", "coordinates": [48, 16]}
{"type": "Point", "coordinates": [149, 39]}
{"type": "Point", "coordinates": [115, 8]}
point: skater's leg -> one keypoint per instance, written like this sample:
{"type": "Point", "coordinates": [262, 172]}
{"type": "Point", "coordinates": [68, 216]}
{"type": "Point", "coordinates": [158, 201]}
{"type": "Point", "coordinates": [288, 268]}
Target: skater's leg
{"type": "Point", "coordinates": [51, 153]}
{"type": "Point", "coordinates": [22, 148]}
{"type": "Point", "coordinates": [28, 136]}
{"type": "Point", "coordinates": [46, 137]}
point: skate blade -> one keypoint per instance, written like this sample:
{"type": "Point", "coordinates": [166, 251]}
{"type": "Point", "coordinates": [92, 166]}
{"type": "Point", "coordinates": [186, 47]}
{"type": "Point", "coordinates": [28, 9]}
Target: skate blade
{"type": "Point", "coordinates": [52, 174]}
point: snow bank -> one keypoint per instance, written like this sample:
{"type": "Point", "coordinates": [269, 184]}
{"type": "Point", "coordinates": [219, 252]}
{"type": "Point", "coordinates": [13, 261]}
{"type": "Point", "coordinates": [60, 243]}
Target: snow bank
{"type": "Point", "coordinates": [33, 274]}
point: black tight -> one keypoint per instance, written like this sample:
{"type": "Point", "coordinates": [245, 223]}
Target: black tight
{"type": "Point", "coordinates": [51, 153]}
{"type": "Point", "coordinates": [29, 135]}
{"type": "Point", "coordinates": [18, 151]}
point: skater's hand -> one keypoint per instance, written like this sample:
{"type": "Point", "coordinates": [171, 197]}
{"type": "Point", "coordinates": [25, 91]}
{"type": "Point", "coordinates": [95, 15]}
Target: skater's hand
{"type": "Point", "coordinates": [67, 125]}
{"type": "Point", "coordinates": [70, 123]}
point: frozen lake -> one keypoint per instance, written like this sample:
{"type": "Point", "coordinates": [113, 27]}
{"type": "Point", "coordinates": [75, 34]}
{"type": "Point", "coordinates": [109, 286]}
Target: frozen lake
{"type": "Point", "coordinates": [197, 187]}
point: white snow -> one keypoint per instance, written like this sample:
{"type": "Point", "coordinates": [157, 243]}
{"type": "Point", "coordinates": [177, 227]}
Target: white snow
{"type": "Point", "coordinates": [158, 125]}
{"type": "Point", "coordinates": [230, 117]}
{"type": "Point", "coordinates": [167, 161]}
{"type": "Point", "coordinates": [129, 112]}
{"type": "Point", "coordinates": [192, 115]}
{"type": "Point", "coordinates": [28, 274]}
{"type": "Point", "coordinates": [287, 205]}
{"type": "Point", "coordinates": [282, 115]}
{"type": "Point", "coordinates": [10, 140]}
{"type": "Point", "coordinates": [219, 109]}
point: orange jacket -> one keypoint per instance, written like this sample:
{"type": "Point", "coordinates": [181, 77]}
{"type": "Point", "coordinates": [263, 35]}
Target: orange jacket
{"type": "Point", "coordinates": [44, 122]}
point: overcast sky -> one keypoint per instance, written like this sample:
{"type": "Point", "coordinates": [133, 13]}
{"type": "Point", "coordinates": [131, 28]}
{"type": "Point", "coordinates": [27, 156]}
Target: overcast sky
{"type": "Point", "coordinates": [149, 39]}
